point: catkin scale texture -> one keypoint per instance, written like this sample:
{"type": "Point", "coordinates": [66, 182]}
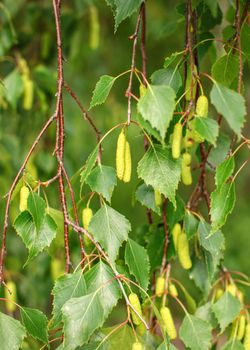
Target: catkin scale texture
{"type": "Point", "coordinates": [176, 144]}
{"type": "Point", "coordinates": [135, 302]}
{"type": "Point", "coordinates": [186, 174]}
{"type": "Point", "coordinates": [176, 233]}
{"type": "Point", "coordinates": [120, 155]}
{"type": "Point", "coordinates": [173, 290]}
{"type": "Point", "coordinates": [86, 217]}
{"type": "Point", "coordinates": [24, 194]}
{"type": "Point", "coordinates": [183, 252]}
{"type": "Point", "coordinates": [160, 286]}
{"type": "Point", "coordinates": [202, 106]}
{"type": "Point", "coordinates": [128, 163]}
{"type": "Point", "coordinates": [168, 322]}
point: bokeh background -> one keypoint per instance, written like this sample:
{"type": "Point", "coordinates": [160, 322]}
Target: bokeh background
{"type": "Point", "coordinates": [27, 31]}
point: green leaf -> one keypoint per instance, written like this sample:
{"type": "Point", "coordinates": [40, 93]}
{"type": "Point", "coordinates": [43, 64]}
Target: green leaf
{"type": "Point", "coordinates": [212, 243]}
{"type": "Point", "coordinates": [219, 153]}
{"type": "Point", "coordinates": [83, 315]}
{"type": "Point", "coordinates": [13, 87]}
{"type": "Point", "coordinates": [230, 104]}
{"type": "Point", "coordinates": [65, 288]}
{"type": "Point", "coordinates": [233, 344]}
{"type": "Point", "coordinates": [35, 323]}
{"type": "Point", "coordinates": [199, 274]}
{"type": "Point", "coordinates": [125, 9]}
{"type": "Point", "coordinates": [223, 171]}
{"type": "Point", "coordinates": [226, 309]}
{"type": "Point", "coordinates": [36, 228]}
{"type": "Point", "coordinates": [212, 6]}
{"type": "Point", "coordinates": [196, 333]}
{"type": "Point", "coordinates": [205, 313]}
{"type": "Point", "coordinates": [11, 333]}
{"type": "Point", "coordinates": [222, 204]}
{"type": "Point", "coordinates": [121, 339]}
{"type": "Point", "coordinates": [148, 128]}
{"type": "Point", "coordinates": [158, 169]}
{"type": "Point", "coordinates": [226, 69]}
{"type": "Point", "coordinates": [207, 128]}
{"type": "Point", "coordinates": [157, 106]}
{"type": "Point", "coordinates": [102, 180]}
{"type": "Point", "coordinates": [169, 60]}
{"type": "Point", "coordinates": [90, 163]}
{"type": "Point", "coordinates": [110, 229]}
{"type": "Point", "coordinates": [245, 37]}
{"type": "Point", "coordinates": [190, 224]}
{"type": "Point", "coordinates": [136, 258]}
{"type": "Point", "coordinates": [167, 76]}
{"type": "Point", "coordinates": [102, 90]}
{"type": "Point", "coordinates": [146, 196]}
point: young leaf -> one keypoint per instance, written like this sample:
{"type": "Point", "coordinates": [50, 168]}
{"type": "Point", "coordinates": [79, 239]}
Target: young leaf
{"type": "Point", "coordinates": [207, 128]}
{"type": "Point", "coordinates": [110, 229]}
{"type": "Point", "coordinates": [222, 204]}
{"type": "Point", "coordinates": [230, 104]}
{"type": "Point", "coordinates": [196, 333]}
{"type": "Point", "coordinates": [125, 9]}
{"type": "Point", "coordinates": [158, 169]}
{"type": "Point", "coordinates": [90, 163]}
{"type": "Point", "coordinates": [146, 196]}
{"type": "Point", "coordinates": [67, 287]}
{"type": "Point", "coordinates": [83, 315]}
{"type": "Point", "coordinates": [226, 309]}
{"type": "Point", "coordinates": [157, 106]}
{"type": "Point", "coordinates": [167, 76]}
{"type": "Point", "coordinates": [102, 90]}
{"type": "Point", "coordinates": [102, 180]}
{"type": "Point", "coordinates": [136, 258]}
{"type": "Point", "coordinates": [11, 333]}
{"type": "Point", "coordinates": [36, 228]}
{"type": "Point", "coordinates": [223, 171]}
{"type": "Point", "coordinates": [35, 323]}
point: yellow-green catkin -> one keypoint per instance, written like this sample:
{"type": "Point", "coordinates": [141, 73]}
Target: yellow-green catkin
{"type": "Point", "coordinates": [186, 174]}
{"type": "Point", "coordinates": [246, 342]}
{"type": "Point", "coordinates": [11, 286]}
{"type": "Point", "coordinates": [219, 292]}
{"type": "Point", "coordinates": [137, 346]}
{"type": "Point", "coordinates": [94, 34]}
{"type": "Point", "coordinates": [120, 155]}
{"type": "Point", "coordinates": [28, 93]}
{"type": "Point", "coordinates": [241, 328]}
{"type": "Point", "coordinates": [135, 302]}
{"type": "Point", "coordinates": [176, 233]}
{"type": "Point", "coordinates": [57, 268]}
{"type": "Point", "coordinates": [183, 252]}
{"type": "Point", "coordinates": [87, 214]}
{"type": "Point", "coordinates": [176, 143]}
{"type": "Point", "coordinates": [169, 325]}
{"type": "Point", "coordinates": [202, 106]}
{"type": "Point", "coordinates": [160, 286]}
{"type": "Point", "coordinates": [142, 90]}
{"type": "Point", "coordinates": [128, 163]}
{"type": "Point", "coordinates": [24, 194]}
{"type": "Point", "coordinates": [158, 198]}
{"type": "Point", "coordinates": [173, 290]}
{"type": "Point", "coordinates": [232, 289]}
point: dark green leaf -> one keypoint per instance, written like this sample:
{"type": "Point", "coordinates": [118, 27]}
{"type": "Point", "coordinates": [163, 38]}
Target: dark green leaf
{"type": "Point", "coordinates": [158, 169]}
{"type": "Point", "coordinates": [226, 309]}
{"type": "Point", "coordinates": [35, 323]}
{"type": "Point", "coordinates": [157, 106]}
{"type": "Point", "coordinates": [231, 105]}
{"type": "Point", "coordinates": [136, 258]}
{"type": "Point", "coordinates": [102, 180]}
{"type": "Point", "coordinates": [102, 90]}
{"type": "Point", "coordinates": [146, 196]}
{"type": "Point", "coordinates": [226, 69]}
{"type": "Point", "coordinates": [125, 9]}
{"type": "Point", "coordinates": [190, 224]}
{"type": "Point", "coordinates": [223, 171]}
{"type": "Point", "coordinates": [167, 76]}
{"type": "Point", "coordinates": [110, 229]}
{"type": "Point", "coordinates": [11, 333]}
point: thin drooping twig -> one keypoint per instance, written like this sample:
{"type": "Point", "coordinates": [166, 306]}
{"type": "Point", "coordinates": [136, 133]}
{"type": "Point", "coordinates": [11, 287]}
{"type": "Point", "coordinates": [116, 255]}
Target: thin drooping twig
{"type": "Point", "coordinates": [14, 183]}
{"type": "Point", "coordinates": [60, 130]}
{"type": "Point", "coordinates": [86, 116]}
{"type": "Point", "coordinates": [143, 42]}
{"type": "Point", "coordinates": [133, 37]}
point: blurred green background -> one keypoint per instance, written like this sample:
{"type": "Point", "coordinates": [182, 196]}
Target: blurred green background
{"type": "Point", "coordinates": [27, 31]}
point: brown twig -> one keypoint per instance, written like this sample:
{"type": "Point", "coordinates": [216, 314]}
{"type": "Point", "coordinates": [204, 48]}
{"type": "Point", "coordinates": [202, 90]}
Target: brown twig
{"type": "Point", "coordinates": [14, 183]}
{"type": "Point", "coordinates": [133, 37]}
